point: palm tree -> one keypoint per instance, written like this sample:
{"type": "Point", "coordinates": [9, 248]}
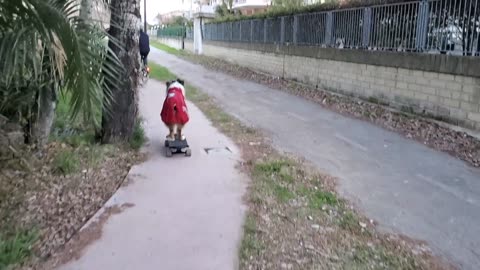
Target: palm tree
{"type": "Point", "coordinates": [125, 24]}
{"type": "Point", "coordinates": [46, 50]}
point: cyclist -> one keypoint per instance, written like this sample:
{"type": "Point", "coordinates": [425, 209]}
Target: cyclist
{"type": "Point", "coordinates": [144, 46]}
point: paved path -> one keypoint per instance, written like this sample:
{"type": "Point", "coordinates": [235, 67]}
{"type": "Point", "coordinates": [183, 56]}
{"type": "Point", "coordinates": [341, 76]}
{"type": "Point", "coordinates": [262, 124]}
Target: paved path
{"type": "Point", "coordinates": [404, 185]}
{"type": "Point", "coordinates": [187, 212]}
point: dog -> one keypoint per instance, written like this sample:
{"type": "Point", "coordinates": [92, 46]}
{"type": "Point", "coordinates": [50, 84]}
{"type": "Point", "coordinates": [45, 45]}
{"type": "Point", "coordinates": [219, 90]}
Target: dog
{"type": "Point", "coordinates": [174, 111]}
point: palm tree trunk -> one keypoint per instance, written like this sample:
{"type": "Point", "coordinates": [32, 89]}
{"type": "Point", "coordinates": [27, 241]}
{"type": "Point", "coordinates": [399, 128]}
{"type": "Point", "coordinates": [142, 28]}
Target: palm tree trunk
{"type": "Point", "coordinates": [86, 10]}
{"type": "Point", "coordinates": [44, 113]}
{"type": "Point", "coordinates": [478, 46]}
{"type": "Point", "coordinates": [118, 121]}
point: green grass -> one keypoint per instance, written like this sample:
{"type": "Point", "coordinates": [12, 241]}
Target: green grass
{"type": "Point", "coordinates": [373, 100]}
{"type": "Point", "coordinates": [82, 139]}
{"type": "Point", "coordinates": [320, 198]}
{"type": "Point", "coordinates": [73, 131]}
{"type": "Point", "coordinates": [278, 175]}
{"type": "Point", "coordinates": [349, 222]}
{"type": "Point", "coordinates": [97, 153]}
{"type": "Point", "coordinates": [377, 257]}
{"type": "Point", "coordinates": [250, 244]}
{"type": "Point", "coordinates": [66, 162]}
{"type": "Point", "coordinates": [271, 167]}
{"type": "Point", "coordinates": [407, 109]}
{"type": "Point", "coordinates": [276, 178]}
{"type": "Point", "coordinates": [166, 48]}
{"type": "Point", "coordinates": [376, 100]}
{"type": "Point", "coordinates": [16, 248]}
{"type": "Point", "coordinates": [138, 137]}
{"type": "Point", "coordinates": [160, 73]}
{"type": "Point", "coordinates": [283, 194]}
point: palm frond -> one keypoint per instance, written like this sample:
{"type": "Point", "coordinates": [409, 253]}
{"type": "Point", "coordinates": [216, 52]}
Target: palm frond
{"type": "Point", "coordinates": [45, 41]}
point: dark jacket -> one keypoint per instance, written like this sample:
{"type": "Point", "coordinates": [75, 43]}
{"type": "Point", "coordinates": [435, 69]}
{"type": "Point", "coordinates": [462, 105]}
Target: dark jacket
{"type": "Point", "coordinates": [144, 43]}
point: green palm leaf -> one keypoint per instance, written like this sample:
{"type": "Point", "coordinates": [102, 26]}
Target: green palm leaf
{"type": "Point", "coordinates": [44, 42]}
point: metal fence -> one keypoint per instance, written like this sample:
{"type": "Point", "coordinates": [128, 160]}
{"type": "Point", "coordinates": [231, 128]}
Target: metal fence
{"type": "Point", "coordinates": [429, 26]}
{"type": "Point", "coordinates": [189, 33]}
{"type": "Point", "coordinates": [172, 31]}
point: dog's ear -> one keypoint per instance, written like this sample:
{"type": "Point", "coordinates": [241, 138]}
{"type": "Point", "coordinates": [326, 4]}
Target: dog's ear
{"type": "Point", "coordinates": [168, 83]}
{"type": "Point", "coordinates": [180, 81]}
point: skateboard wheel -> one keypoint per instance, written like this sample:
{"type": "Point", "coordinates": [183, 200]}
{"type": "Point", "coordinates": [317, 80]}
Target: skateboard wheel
{"type": "Point", "coordinates": [188, 152]}
{"type": "Point", "coordinates": [166, 143]}
{"type": "Point", "coordinates": [169, 152]}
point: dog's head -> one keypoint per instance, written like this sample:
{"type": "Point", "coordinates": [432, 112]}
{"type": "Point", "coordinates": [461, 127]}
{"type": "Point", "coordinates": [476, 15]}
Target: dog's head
{"type": "Point", "coordinates": [176, 83]}
{"type": "Point", "coordinates": [180, 81]}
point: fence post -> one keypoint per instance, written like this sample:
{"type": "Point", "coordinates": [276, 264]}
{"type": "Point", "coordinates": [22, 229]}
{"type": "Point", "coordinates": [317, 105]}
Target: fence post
{"type": "Point", "coordinates": [197, 36]}
{"type": "Point", "coordinates": [240, 36]}
{"type": "Point", "coordinates": [251, 30]}
{"type": "Point", "coordinates": [367, 27]}
{"type": "Point", "coordinates": [295, 29]}
{"type": "Point", "coordinates": [422, 25]}
{"type": "Point", "coordinates": [184, 35]}
{"type": "Point", "coordinates": [329, 29]}
{"type": "Point", "coordinates": [222, 32]}
{"type": "Point", "coordinates": [231, 31]}
{"type": "Point", "coordinates": [265, 23]}
{"type": "Point", "coordinates": [282, 30]}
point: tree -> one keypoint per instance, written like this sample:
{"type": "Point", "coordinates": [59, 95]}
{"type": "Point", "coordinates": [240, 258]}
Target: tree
{"type": "Point", "coordinates": [288, 4]}
{"type": "Point", "coordinates": [119, 119]}
{"type": "Point", "coordinates": [449, 23]}
{"type": "Point", "coordinates": [178, 20]}
{"type": "Point", "coordinates": [457, 18]}
{"type": "Point", "coordinates": [223, 10]}
{"type": "Point", "coordinates": [47, 50]}
{"type": "Point", "coordinates": [159, 18]}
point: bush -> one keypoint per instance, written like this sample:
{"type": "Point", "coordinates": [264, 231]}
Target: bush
{"type": "Point", "coordinates": [138, 137]}
{"type": "Point", "coordinates": [16, 248]}
{"type": "Point", "coordinates": [65, 162]}
{"type": "Point", "coordinates": [280, 11]}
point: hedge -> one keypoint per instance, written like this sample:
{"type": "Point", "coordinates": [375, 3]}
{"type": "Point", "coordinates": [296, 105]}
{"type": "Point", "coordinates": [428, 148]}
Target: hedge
{"type": "Point", "coordinates": [280, 12]}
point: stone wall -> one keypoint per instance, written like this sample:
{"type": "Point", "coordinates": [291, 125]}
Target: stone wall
{"type": "Point", "coordinates": [441, 86]}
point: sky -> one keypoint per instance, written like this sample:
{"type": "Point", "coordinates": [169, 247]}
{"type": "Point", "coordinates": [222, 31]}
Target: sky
{"type": "Point", "coordinates": [160, 6]}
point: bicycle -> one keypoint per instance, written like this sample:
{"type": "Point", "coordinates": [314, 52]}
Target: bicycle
{"type": "Point", "coordinates": [145, 71]}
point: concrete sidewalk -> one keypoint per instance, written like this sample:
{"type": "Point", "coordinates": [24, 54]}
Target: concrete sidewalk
{"type": "Point", "coordinates": [405, 186]}
{"type": "Point", "coordinates": [186, 213]}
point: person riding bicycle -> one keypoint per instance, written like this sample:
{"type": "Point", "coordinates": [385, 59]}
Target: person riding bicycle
{"type": "Point", "coordinates": [144, 46]}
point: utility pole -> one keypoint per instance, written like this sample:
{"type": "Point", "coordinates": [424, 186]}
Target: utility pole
{"type": "Point", "coordinates": [145, 15]}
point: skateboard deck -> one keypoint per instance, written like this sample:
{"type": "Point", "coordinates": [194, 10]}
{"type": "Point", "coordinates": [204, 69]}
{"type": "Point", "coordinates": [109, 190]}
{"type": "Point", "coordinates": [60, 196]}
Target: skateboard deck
{"type": "Point", "coordinates": [177, 147]}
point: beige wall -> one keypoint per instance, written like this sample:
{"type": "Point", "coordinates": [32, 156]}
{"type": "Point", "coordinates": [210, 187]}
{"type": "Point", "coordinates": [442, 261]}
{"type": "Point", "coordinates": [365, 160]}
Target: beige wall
{"type": "Point", "coordinates": [171, 42]}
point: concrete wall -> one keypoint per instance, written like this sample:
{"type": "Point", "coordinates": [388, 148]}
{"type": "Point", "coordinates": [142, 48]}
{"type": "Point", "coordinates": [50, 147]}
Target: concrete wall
{"type": "Point", "coordinates": [171, 42]}
{"type": "Point", "coordinates": [438, 85]}
{"type": "Point", "coordinates": [189, 45]}
{"type": "Point", "coordinates": [177, 43]}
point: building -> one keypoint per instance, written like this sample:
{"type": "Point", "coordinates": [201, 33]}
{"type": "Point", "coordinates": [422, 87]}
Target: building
{"type": "Point", "coordinates": [250, 7]}
{"type": "Point", "coordinates": [206, 8]}
{"type": "Point", "coordinates": [312, 2]}
{"type": "Point", "coordinates": [169, 17]}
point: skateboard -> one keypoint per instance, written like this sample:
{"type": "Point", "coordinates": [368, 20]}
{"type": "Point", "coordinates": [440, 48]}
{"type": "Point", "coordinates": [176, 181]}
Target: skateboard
{"type": "Point", "coordinates": [177, 147]}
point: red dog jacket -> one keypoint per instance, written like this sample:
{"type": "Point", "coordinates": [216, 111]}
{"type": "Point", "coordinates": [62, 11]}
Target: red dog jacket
{"type": "Point", "coordinates": [174, 109]}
